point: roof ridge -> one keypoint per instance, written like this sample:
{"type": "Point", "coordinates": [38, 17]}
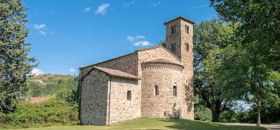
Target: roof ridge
{"type": "Point", "coordinates": [111, 72]}
{"type": "Point", "coordinates": [161, 60]}
{"type": "Point", "coordinates": [180, 17]}
{"type": "Point", "coordinates": [171, 53]}
{"type": "Point", "coordinates": [139, 50]}
{"type": "Point", "coordinates": [108, 60]}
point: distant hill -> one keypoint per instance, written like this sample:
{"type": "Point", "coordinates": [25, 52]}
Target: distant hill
{"type": "Point", "coordinates": [47, 85]}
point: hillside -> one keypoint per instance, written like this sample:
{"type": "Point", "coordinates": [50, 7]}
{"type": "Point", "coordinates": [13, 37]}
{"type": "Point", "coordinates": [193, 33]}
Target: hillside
{"type": "Point", "coordinates": [48, 85]}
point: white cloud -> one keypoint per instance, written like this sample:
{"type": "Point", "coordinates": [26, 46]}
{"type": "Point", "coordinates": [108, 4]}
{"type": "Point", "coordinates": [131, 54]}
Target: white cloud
{"type": "Point", "coordinates": [102, 9]}
{"type": "Point", "coordinates": [156, 3]}
{"type": "Point", "coordinates": [41, 29]}
{"type": "Point", "coordinates": [87, 9]}
{"type": "Point", "coordinates": [138, 40]}
{"type": "Point", "coordinates": [36, 72]}
{"type": "Point", "coordinates": [198, 7]}
{"type": "Point", "coordinates": [142, 43]}
{"type": "Point", "coordinates": [39, 26]}
{"type": "Point", "coordinates": [72, 70]}
{"type": "Point", "coordinates": [135, 38]}
{"type": "Point", "coordinates": [43, 33]}
{"type": "Point", "coordinates": [129, 3]}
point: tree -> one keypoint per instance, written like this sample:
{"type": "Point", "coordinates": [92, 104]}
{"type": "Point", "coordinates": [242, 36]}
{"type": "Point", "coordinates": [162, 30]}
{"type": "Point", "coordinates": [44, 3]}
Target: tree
{"type": "Point", "coordinates": [259, 21]}
{"type": "Point", "coordinates": [247, 74]}
{"type": "Point", "coordinates": [258, 46]}
{"type": "Point", "coordinates": [15, 65]}
{"type": "Point", "coordinates": [210, 37]}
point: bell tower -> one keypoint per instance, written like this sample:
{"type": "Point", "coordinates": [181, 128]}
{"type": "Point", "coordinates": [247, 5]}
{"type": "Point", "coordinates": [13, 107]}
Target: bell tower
{"type": "Point", "coordinates": [179, 40]}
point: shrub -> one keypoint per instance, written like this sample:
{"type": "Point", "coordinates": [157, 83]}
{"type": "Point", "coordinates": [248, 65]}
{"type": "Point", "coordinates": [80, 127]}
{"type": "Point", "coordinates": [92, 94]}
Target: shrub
{"type": "Point", "coordinates": [202, 113]}
{"type": "Point", "coordinates": [53, 112]}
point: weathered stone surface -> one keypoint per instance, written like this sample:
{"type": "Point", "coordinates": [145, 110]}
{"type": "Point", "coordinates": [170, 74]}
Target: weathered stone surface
{"type": "Point", "coordinates": [183, 40]}
{"type": "Point", "coordinates": [127, 63]}
{"type": "Point", "coordinates": [165, 104]}
{"type": "Point", "coordinates": [109, 104]}
{"type": "Point", "coordinates": [94, 98]}
{"type": "Point", "coordinates": [122, 109]}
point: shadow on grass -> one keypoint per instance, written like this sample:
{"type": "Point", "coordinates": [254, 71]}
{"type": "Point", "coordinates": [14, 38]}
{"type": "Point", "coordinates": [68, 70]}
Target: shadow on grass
{"type": "Point", "coordinates": [181, 124]}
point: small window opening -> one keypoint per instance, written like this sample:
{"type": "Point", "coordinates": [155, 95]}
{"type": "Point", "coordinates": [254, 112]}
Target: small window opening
{"type": "Point", "coordinates": [187, 47]}
{"type": "Point", "coordinates": [187, 29]}
{"type": "Point", "coordinates": [174, 90]}
{"type": "Point", "coordinates": [173, 47]}
{"type": "Point", "coordinates": [128, 96]}
{"type": "Point", "coordinates": [156, 90]}
{"type": "Point", "coordinates": [173, 29]}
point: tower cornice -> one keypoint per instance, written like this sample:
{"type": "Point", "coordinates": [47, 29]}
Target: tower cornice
{"type": "Point", "coordinates": [180, 17]}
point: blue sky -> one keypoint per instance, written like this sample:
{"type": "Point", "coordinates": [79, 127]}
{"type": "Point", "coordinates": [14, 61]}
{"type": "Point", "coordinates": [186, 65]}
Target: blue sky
{"type": "Point", "coordinates": [67, 34]}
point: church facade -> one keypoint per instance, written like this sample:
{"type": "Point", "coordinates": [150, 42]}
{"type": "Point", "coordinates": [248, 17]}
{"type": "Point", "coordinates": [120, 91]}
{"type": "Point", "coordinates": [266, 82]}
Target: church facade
{"type": "Point", "coordinates": [154, 82]}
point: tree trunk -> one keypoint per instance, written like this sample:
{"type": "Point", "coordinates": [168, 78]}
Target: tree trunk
{"type": "Point", "coordinates": [216, 115]}
{"type": "Point", "coordinates": [258, 112]}
{"type": "Point", "coordinates": [216, 111]}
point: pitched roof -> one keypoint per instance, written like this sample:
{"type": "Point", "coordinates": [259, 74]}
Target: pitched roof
{"type": "Point", "coordinates": [160, 60]}
{"type": "Point", "coordinates": [116, 73]}
{"type": "Point", "coordinates": [139, 50]}
{"type": "Point", "coordinates": [180, 17]}
{"type": "Point", "coordinates": [108, 60]}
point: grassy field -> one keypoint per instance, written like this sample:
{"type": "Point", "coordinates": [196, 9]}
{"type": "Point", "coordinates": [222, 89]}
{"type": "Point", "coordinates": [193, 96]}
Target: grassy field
{"type": "Point", "coordinates": [154, 124]}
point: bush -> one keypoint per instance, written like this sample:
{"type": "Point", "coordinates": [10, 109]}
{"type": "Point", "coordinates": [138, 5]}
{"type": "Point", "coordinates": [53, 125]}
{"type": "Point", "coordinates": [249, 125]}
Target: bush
{"type": "Point", "coordinates": [202, 113]}
{"type": "Point", "coordinates": [53, 112]}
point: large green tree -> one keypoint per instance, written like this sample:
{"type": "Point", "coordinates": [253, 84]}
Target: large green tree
{"type": "Point", "coordinates": [210, 37]}
{"type": "Point", "coordinates": [259, 25]}
{"type": "Point", "coordinates": [15, 65]}
{"type": "Point", "coordinates": [246, 74]}
{"type": "Point", "coordinates": [256, 51]}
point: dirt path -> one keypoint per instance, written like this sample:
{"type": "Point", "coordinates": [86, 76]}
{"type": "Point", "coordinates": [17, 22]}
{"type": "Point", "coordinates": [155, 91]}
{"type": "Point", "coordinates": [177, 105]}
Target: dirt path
{"type": "Point", "coordinates": [270, 127]}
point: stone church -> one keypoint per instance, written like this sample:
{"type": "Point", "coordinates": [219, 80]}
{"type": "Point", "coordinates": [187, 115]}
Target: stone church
{"type": "Point", "coordinates": [154, 82]}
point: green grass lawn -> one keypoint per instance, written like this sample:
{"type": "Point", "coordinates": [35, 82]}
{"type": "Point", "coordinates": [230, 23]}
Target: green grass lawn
{"type": "Point", "coordinates": [155, 124]}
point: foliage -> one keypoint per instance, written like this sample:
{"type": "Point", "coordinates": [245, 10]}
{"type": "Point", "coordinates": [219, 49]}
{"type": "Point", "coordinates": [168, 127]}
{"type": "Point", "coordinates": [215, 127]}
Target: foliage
{"type": "Point", "coordinates": [44, 114]}
{"type": "Point", "coordinates": [209, 39]}
{"type": "Point", "coordinates": [269, 114]}
{"type": "Point", "coordinates": [247, 75]}
{"type": "Point", "coordinates": [256, 47]}
{"type": "Point", "coordinates": [163, 43]}
{"type": "Point", "coordinates": [202, 113]}
{"type": "Point", "coordinates": [15, 65]}
{"type": "Point", "coordinates": [259, 25]}
{"type": "Point", "coordinates": [61, 86]}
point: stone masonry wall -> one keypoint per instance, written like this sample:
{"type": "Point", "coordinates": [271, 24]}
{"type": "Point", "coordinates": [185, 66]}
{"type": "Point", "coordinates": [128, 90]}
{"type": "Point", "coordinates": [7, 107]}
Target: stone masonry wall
{"type": "Point", "coordinates": [153, 54]}
{"type": "Point", "coordinates": [183, 38]}
{"type": "Point", "coordinates": [122, 109]}
{"type": "Point", "coordinates": [164, 105]}
{"type": "Point", "coordinates": [94, 97]}
{"type": "Point", "coordinates": [127, 63]}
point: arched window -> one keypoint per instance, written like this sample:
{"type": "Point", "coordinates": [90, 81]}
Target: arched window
{"type": "Point", "coordinates": [128, 95]}
{"type": "Point", "coordinates": [173, 29]}
{"type": "Point", "coordinates": [187, 29]}
{"type": "Point", "coordinates": [174, 90]}
{"type": "Point", "coordinates": [156, 90]}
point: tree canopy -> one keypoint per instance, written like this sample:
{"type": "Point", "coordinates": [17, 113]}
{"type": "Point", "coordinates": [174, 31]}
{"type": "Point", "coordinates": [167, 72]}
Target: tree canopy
{"type": "Point", "coordinates": [15, 65]}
